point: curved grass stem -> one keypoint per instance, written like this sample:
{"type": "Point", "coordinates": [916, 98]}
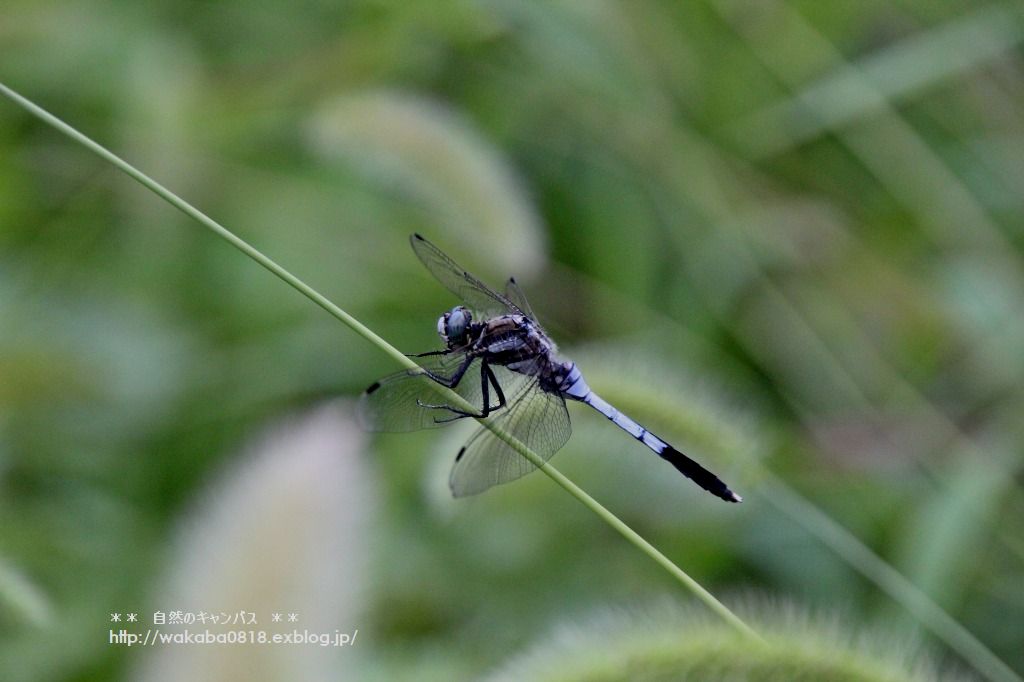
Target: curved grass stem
{"type": "Point", "coordinates": [174, 200]}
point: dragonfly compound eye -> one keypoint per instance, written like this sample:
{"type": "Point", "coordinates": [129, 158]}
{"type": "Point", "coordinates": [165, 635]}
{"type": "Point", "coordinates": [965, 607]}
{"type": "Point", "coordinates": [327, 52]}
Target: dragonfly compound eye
{"type": "Point", "coordinates": [454, 324]}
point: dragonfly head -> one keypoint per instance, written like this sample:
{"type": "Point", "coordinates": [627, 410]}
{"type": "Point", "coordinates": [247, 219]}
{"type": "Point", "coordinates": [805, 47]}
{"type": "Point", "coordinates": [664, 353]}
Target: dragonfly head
{"type": "Point", "coordinates": [453, 326]}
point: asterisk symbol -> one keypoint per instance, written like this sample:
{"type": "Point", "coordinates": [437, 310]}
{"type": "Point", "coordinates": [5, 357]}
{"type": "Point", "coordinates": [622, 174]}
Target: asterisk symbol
{"type": "Point", "coordinates": [292, 617]}
{"type": "Point", "coordinates": [276, 617]}
{"type": "Point", "coordinates": [132, 617]}
{"type": "Point", "coordinates": [115, 618]}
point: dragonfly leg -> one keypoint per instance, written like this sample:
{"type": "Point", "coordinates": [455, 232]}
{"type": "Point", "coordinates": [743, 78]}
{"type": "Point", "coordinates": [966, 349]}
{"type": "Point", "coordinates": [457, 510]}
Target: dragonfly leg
{"type": "Point", "coordinates": [429, 353]}
{"type": "Point", "coordinates": [497, 389]}
{"type": "Point", "coordinates": [450, 382]}
{"type": "Point", "coordinates": [487, 379]}
{"type": "Point", "coordinates": [454, 379]}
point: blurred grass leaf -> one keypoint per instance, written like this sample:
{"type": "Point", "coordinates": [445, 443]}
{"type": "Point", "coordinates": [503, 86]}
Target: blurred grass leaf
{"type": "Point", "coordinates": [838, 99]}
{"type": "Point", "coordinates": [21, 598]}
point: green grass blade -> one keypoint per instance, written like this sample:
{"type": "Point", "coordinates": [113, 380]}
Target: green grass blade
{"type": "Point", "coordinates": [887, 578]}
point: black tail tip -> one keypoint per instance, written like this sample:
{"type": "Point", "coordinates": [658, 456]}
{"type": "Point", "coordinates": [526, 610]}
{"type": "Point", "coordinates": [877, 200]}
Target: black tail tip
{"type": "Point", "coordinates": [719, 489]}
{"type": "Point", "coordinates": [699, 475]}
{"type": "Point", "coordinates": [722, 491]}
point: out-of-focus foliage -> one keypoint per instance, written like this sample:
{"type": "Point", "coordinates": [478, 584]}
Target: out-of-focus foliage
{"type": "Point", "coordinates": [661, 642]}
{"type": "Point", "coordinates": [294, 548]}
{"type": "Point", "coordinates": [786, 235]}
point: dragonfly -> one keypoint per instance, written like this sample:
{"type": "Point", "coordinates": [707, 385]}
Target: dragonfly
{"type": "Point", "coordinates": [500, 361]}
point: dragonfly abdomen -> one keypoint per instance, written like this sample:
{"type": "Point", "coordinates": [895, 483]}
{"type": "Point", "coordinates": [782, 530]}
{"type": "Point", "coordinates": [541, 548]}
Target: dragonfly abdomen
{"type": "Point", "coordinates": [686, 466]}
{"type": "Point", "coordinates": [625, 423]}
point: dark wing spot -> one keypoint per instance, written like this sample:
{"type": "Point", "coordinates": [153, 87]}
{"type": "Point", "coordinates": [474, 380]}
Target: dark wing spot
{"type": "Point", "coordinates": [373, 387]}
{"type": "Point", "coordinates": [462, 451]}
{"type": "Point", "coordinates": [417, 235]}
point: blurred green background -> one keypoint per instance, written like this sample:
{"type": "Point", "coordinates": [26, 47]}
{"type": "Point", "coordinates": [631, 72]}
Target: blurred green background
{"type": "Point", "coordinates": [786, 236]}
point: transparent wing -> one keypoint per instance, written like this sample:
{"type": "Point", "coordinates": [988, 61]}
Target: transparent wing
{"type": "Point", "coordinates": [390, 404]}
{"type": "Point", "coordinates": [474, 293]}
{"type": "Point", "coordinates": [537, 418]}
{"type": "Point", "coordinates": [393, 404]}
{"type": "Point", "coordinates": [516, 296]}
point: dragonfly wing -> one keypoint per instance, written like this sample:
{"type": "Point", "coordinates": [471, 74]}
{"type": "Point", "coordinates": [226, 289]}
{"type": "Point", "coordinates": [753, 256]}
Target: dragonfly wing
{"type": "Point", "coordinates": [536, 418]}
{"type": "Point", "coordinates": [516, 296]}
{"type": "Point", "coordinates": [468, 288]}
